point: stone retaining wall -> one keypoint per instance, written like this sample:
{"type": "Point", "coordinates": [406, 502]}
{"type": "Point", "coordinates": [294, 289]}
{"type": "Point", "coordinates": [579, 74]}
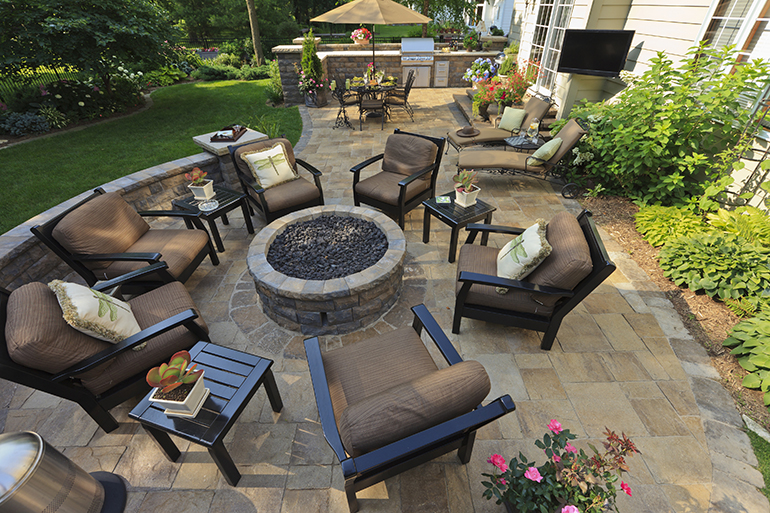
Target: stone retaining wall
{"type": "Point", "coordinates": [23, 259]}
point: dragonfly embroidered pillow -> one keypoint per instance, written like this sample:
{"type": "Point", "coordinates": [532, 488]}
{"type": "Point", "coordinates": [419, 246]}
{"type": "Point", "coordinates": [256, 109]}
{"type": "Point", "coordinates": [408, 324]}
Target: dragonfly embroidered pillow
{"type": "Point", "coordinates": [270, 167]}
{"type": "Point", "coordinates": [94, 313]}
{"type": "Point", "coordinates": [522, 255]}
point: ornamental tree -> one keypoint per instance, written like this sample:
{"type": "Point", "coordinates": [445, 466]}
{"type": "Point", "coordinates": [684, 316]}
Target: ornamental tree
{"type": "Point", "coordinates": [95, 37]}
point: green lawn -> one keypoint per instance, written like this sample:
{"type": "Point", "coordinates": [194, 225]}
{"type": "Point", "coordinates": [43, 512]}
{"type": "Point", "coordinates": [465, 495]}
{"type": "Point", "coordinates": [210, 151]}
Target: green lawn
{"type": "Point", "coordinates": [762, 452]}
{"type": "Point", "coordinates": [47, 171]}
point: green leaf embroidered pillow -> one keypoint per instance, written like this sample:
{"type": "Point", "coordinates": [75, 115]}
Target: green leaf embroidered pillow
{"type": "Point", "coordinates": [270, 167]}
{"type": "Point", "coordinates": [522, 255]}
{"type": "Point", "coordinates": [94, 313]}
{"type": "Point", "coordinates": [545, 152]}
{"type": "Point", "coordinates": [512, 119]}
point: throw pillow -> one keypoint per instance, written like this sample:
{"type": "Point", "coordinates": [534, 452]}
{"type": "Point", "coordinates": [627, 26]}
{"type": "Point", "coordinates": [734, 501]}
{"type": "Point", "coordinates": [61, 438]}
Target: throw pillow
{"type": "Point", "coordinates": [522, 255]}
{"type": "Point", "coordinates": [270, 167]}
{"type": "Point", "coordinates": [94, 313]}
{"type": "Point", "coordinates": [545, 152]}
{"type": "Point", "coordinates": [512, 119]}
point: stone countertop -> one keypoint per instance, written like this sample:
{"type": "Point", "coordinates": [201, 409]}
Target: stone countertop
{"type": "Point", "coordinates": [220, 148]}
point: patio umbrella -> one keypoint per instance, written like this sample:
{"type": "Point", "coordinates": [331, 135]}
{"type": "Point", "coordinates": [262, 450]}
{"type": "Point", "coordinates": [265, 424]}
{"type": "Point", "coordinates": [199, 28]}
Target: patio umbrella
{"type": "Point", "coordinates": [382, 12]}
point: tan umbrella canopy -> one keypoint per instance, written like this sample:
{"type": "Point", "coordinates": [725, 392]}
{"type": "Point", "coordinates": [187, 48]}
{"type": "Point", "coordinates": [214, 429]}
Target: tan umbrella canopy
{"type": "Point", "coordinates": [381, 12]}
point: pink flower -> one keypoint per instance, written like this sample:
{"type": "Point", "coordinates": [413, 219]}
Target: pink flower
{"type": "Point", "coordinates": [498, 461]}
{"type": "Point", "coordinates": [96, 89]}
{"type": "Point", "coordinates": [569, 508]}
{"type": "Point", "coordinates": [554, 426]}
{"type": "Point", "coordinates": [557, 459]}
{"type": "Point", "coordinates": [533, 474]}
{"type": "Point", "coordinates": [503, 481]}
{"type": "Point", "coordinates": [625, 488]}
{"type": "Point", "coordinates": [570, 448]}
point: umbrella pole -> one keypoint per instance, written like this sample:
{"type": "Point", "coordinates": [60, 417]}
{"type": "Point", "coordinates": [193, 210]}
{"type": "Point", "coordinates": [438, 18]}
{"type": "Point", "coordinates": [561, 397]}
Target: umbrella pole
{"type": "Point", "coordinates": [374, 65]}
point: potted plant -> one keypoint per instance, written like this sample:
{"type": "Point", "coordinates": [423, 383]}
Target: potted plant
{"type": "Point", "coordinates": [480, 72]}
{"type": "Point", "coordinates": [361, 36]}
{"type": "Point", "coordinates": [465, 188]}
{"type": "Point", "coordinates": [570, 481]}
{"type": "Point", "coordinates": [201, 188]}
{"type": "Point", "coordinates": [311, 81]}
{"type": "Point", "coordinates": [178, 389]}
{"type": "Point", "coordinates": [471, 40]}
{"type": "Point", "coordinates": [482, 99]}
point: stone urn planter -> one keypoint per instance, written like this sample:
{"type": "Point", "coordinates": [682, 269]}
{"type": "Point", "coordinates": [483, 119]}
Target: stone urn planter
{"type": "Point", "coordinates": [208, 55]}
{"type": "Point", "coordinates": [317, 99]}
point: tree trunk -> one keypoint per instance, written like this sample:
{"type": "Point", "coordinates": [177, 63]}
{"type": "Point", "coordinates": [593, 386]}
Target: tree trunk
{"type": "Point", "coordinates": [425, 5]}
{"type": "Point", "coordinates": [255, 32]}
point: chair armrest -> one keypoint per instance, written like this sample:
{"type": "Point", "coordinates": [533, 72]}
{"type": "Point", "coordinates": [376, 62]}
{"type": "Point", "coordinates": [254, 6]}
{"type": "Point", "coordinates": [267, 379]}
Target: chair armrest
{"type": "Point", "coordinates": [169, 213]}
{"type": "Point", "coordinates": [121, 347]}
{"type": "Point", "coordinates": [158, 267]}
{"type": "Point", "coordinates": [468, 278]}
{"type": "Point", "coordinates": [436, 436]}
{"type": "Point", "coordinates": [309, 167]}
{"type": "Point", "coordinates": [323, 397]}
{"type": "Point", "coordinates": [358, 167]}
{"type": "Point", "coordinates": [411, 178]}
{"type": "Point", "coordinates": [477, 228]}
{"type": "Point", "coordinates": [126, 257]}
{"type": "Point", "coordinates": [423, 319]}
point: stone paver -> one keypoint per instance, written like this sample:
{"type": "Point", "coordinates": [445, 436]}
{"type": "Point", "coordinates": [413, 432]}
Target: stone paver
{"type": "Point", "coordinates": [622, 360]}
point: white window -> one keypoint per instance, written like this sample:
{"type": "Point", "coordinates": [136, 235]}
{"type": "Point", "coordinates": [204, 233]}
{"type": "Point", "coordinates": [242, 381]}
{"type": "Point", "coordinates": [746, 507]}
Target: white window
{"type": "Point", "coordinates": [552, 18]}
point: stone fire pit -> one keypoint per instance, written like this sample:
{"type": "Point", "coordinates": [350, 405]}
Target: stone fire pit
{"type": "Point", "coordinates": [323, 307]}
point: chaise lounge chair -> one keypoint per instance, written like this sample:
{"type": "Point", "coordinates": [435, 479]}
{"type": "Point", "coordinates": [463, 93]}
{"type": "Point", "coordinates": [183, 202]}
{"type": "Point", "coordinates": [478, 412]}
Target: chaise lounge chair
{"type": "Point", "coordinates": [510, 160]}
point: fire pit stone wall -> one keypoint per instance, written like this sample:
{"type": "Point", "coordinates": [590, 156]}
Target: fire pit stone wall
{"type": "Point", "coordinates": [336, 306]}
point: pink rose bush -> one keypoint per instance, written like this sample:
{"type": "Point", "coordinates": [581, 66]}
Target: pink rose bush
{"type": "Point", "coordinates": [570, 481]}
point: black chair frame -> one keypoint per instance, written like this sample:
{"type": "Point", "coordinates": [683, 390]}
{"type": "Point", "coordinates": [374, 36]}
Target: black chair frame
{"type": "Point", "coordinates": [402, 96]}
{"type": "Point", "coordinates": [398, 212]}
{"type": "Point", "coordinates": [380, 464]}
{"type": "Point", "coordinates": [343, 95]}
{"type": "Point", "coordinates": [568, 299]}
{"type": "Point", "coordinates": [256, 194]}
{"type": "Point", "coordinates": [44, 232]}
{"type": "Point", "coordinates": [67, 386]}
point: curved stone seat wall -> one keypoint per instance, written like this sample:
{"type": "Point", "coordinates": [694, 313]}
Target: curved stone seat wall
{"type": "Point", "coordinates": [23, 259]}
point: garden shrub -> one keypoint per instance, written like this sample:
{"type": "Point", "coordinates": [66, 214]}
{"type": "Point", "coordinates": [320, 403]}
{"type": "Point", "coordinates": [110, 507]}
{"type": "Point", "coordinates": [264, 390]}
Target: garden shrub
{"type": "Point", "coordinates": [18, 124]}
{"type": "Point", "coordinates": [750, 223]}
{"type": "Point", "coordinates": [274, 87]}
{"type": "Point", "coordinates": [55, 118]}
{"type": "Point", "coordinates": [658, 141]}
{"type": "Point", "coordinates": [311, 64]}
{"type": "Point", "coordinates": [750, 340]}
{"type": "Point", "coordinates": [215, 72]}
{"type": "Point", "coordinates": [254, 72]}
{"type": "Point", "coordinates": [25, 97]}
{"type": "Point", "coordinates": [228, 59]}
{"type": "Point", "coordinates": [723, 265]}
{"type": "Point", "coordinates": [240, 48]}
{"type": "Point", "coordinates": [164, 76]}
{"type": "Point", "coordinates": [659, 225]}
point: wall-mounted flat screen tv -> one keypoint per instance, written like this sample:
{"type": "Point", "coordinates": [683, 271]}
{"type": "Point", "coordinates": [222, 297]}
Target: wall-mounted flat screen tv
{"type": "Point", "coordinates": [595, 52]}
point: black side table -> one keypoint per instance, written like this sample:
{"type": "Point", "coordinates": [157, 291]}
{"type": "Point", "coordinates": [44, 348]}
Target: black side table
{"type": "Point", "coordinates": [456, 217]}
{"type": "Point", "coordinates": [228, 200]}
{"type": "Point", "coordinates": [233, 377]}
{"type": "Point", "coordinates": [524, 143]}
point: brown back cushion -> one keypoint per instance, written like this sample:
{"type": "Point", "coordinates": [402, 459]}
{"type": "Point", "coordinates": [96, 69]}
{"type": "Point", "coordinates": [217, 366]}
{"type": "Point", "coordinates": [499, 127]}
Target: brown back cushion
{"type": "Point", "coordinates": [570, 260]}
{"type": "Point", "coordinates": [407, 154]}
{"type": "Point", "coordinates": [105, 224]}
{"type": "Point", "coordinates": [412, 407]}
{"type": "Point", "coordinates": [263, 145]}
{"type": "Point", "coordinates": [37, 335]}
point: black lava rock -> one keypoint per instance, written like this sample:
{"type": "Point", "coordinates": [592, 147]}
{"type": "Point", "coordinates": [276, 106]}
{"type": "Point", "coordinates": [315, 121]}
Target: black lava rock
{"type": "Point", "coordinates": [327, 247]}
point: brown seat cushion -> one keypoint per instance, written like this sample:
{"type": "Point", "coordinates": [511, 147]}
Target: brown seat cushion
{"type": "Point", "coordinates": [38, 337]}
{"type": "Point", "coordinates": [263, 145]}
{"type": "Point", "coordinates": [105, 224]}
{"type": "Point", "coordinates": [407, 154]}
{"type": "Point", "coordinates": [289, 194]}
{"type": "Point", "coordinates": [384, 187]}
{"type": "Point", "coordinates": [406, 409]}
{"type": "Point", "coordinates": [178, 248]}
{"type": "Point", "coordinates": [494, 159]}
{"type": "Point", "coordinates": [356, 372]}
{"type": "Point", "coordinates": [486, 135]}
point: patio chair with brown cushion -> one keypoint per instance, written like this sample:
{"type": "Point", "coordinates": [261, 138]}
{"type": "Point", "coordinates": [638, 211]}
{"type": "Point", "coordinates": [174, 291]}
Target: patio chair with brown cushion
{"type": "Point", "coordinates": [410, 165]}
{"type": "Point", "coordinates": [40, 350]}
{"type": "Point", "coordinates": [281, 199]}
{"type": "Point", "coordinates": [525, 163]}
{"type": "Point", "coordinates": [103, 237]}
{"type": "Point", "coordinates": [386, 406]}
{"type": "Point", "coordinates": [578, 263]}
{"type": "Point", "coordinates": [491, 135]}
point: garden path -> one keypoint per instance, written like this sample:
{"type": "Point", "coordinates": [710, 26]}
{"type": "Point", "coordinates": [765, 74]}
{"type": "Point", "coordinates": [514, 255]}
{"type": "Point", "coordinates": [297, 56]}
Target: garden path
{"type": "Point", "coordinates": [623, 360]}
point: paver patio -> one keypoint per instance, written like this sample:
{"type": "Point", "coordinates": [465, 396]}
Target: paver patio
{"type": "Point", "coordinates": [622, 360]}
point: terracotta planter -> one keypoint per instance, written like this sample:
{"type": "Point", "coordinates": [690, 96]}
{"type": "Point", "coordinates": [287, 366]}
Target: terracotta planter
{"type": "Point", "coordinates": [467, 199]}
{"type": "Point", "coordinates": [203, 192]}
{"type": "Point", "coordinates": [191, 404]}
{"type": "Point", "coordinates": [361, 41]}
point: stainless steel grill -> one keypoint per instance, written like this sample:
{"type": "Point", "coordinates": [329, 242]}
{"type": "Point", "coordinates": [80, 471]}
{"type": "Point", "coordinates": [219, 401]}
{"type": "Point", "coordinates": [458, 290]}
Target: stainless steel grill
{"type": "Point", "coordinates": [417, 55]}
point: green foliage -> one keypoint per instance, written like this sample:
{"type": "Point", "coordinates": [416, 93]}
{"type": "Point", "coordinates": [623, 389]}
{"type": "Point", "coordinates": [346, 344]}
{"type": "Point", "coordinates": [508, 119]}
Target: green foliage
{"type": "Point", "coordinates": [17, 123]}
{"type": "Point", "coordinates": [659, 225]}
{"type": "Point", "coordinates": [750, 223]}
{"type": "Point", "coordinates": [762, 451]}
{"type": "Point", "coordinates": [750, 343]}
{"type": "Point", "coordinates": [508, 65]}
{"type": "Point", "coordinates": [55, 118]}
{"type": "Point", "coordinates": [264, 124]}
{"type": "Point", "coordinates": [659, 140]}
{"type": "Point", "coordinates": [311, 64]}
{"type": "Point", "coordinates": [471, 40]}
{"type": "Point", "coordinates": [210, 72]}
{"type": "Point", "coordinates": [274, 87]}
{"type": "Point", "coordinates": [164, 76]}
{"type": "Point", "coordinates": [494, 31]}
{"type": "Point", "coordinates": [722, 265]}
{"type": "Point", "coordinates": [741, 307]}
{"type": "Point", "coordinates": [227, 59]}
{"type": "Point", "coordinates": [254, 72]}
{"type": "Point", "coordinates": [240, 48]}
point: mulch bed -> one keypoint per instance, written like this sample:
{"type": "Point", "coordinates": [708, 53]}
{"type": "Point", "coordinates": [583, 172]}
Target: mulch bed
{"type": "Point", "coordinates": [707, 320]}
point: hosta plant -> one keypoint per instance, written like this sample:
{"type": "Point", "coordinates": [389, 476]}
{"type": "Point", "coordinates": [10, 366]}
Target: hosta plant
{"type": "Point", "coordinates": [750, 340]}
{"type": "Point", "coordinates": [659, 225]}
{"type": "Point", "coordinates": [722, 265]}
{"type": "Point", "coordinates": [173, 374]}
{"type": "Point", "coordinates": [750, 223]}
